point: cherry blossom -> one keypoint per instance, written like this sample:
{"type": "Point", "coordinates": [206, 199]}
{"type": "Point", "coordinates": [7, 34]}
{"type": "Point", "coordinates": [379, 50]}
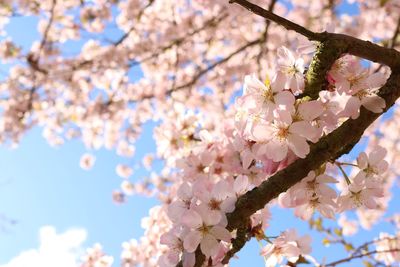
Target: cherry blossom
{"type": "Point", "coordinates": [123, 171]}
{"type": "Point", "coordinates": [373, 165]}
{"type": "Point", "coordinates": [264, 99]}
{"type": "Point", "coordinates": [280, 136]}
{"type": "Point", "coordinates": [290, 71]}
{"type": "Point", "coordinates": [87, 161]}
{"type": "Point", "coordinates": [288, 245]}
{"type": "Point", "coordinates": [204, 231]}
{"type": "Point", "coordinates": [360, 192]}
{"type": "Point", "coordinates": [312, 193]}
{"type": "Point", "coordinates": [227, 102]}
{"type": "Point", "coordinates": [387, 243]}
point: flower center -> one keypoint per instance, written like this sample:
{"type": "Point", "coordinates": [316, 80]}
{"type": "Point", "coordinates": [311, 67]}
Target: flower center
{"type": "Point", "coordinates": [268, 95]}
{"type": "Point", "coordinates": [292, 70]}
{"type": "Point", "coordinates": [283, 133]}
{"type": "Point", "coordinates": [356, 196]}
{"type": "Point", "coordinates": [361, 94]}
{"type": "Point", "coordinates": [204, 229]}
{"type": "Point", "coordinates": [214, 204]}
{"type": "Point", "coordinates": [370, 170]}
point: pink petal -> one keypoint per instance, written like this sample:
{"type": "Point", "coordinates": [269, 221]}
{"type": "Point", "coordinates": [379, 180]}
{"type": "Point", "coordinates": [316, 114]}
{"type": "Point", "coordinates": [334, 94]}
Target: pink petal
{"type": "Point", "coordinates": [284, 117]}
{"type": "Point", "coordinates": [284, 98]}
{"type": "Point", "coordinates": [374, 103]}
{"type": "Point", "coordinates": [221, 190]}
{"type": "Point", "coordinates": [376, 80]}
{"type": "Point", "coordinates": [191, 241]}
{"type": "Point", "coordinates": [189, 259]}
{"type": "Point", "coordinates": [298, 145]}
{"type": "Point", "coordinates": [209, 246]}
{"type": "Point", "coordinates": [261, 132]}
{"type": "Point", "coordinates": [310, 110]}
{"type": "Point", "coordinates": [221, 233]}
{"type": "Point", "coordinates": [210, 217]}
{"type": "Point", "coordinates": [352, 108]}
{"type": "Point", "coordinates": [276, 150]}
{"type": "Point", "coordinates": [285, 55]}
{"type": "Point", "coordinates": [362, 160]}
{"type": "Point", "coordinates": [192, 219]}
{"type": "Point", "coordinates": [185, 192]}
{"type": "Point", "coordinates": [377, 155]}
{"type": "Point", "coordinates": [252, 85]}
{"type": "Point", "coordinates": [176, 209]}
{"type": "Point", "coordinates": [228, 205]}
{"type": "Point", "coordinates": [304, 129]}
{"type": "Point", "coordinates": [241, 183]}
{"type": "Point", "coordinates": [278, 83]}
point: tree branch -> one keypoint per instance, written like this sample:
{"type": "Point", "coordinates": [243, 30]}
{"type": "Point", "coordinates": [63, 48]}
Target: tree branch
{"type": "Point", "coordinates": [325, 56]}
{"type": "Point", "coordinates": [349, 44]}
{"type": "Point", "coordinates": [289, 25]}
{"type": "Point", "coordinates": [332, 264]}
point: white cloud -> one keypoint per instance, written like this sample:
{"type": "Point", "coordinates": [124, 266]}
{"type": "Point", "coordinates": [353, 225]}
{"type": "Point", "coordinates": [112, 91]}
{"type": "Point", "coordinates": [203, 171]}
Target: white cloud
{"type": "Point", "coordinates": [61, 250]}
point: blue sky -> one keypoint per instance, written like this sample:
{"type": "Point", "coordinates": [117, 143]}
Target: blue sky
{"type": "Point", "coordinates": [41, 185]}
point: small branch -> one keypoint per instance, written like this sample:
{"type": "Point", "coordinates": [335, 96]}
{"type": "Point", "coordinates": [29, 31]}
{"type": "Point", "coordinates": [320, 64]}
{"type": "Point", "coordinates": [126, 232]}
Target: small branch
{"type": "Point", "coordinates": [325, 56]}
{"type": "Point", "coordinates": [204, 71]}
{"type": "Point", "coordinates": [348, 259]}
{"type": "Point", "coordinates": [392, 42]}
{"type": "Point", "coordinates": [238, 243]}
{"type": "Point", "coordinates": [139, 16]}
{"type": "Point", "coordinates": [31, 59]}
{"type": "Point", "coordinates": [366, 244]}
{"type": "Point", "coordinates": [395, 35]}
{"type": "Point", "coordinates": [275, 18]}
{"type": "Point", "coordinates": [48, 26]}
{"type": "Point", "coordinates": [209, 23]}
{"type": "Point", "coordinates": [265, 37]}
{"type": "Point", "coordinates": [348, 44]}
{"type": "Point", "coordinates": [344, 173]}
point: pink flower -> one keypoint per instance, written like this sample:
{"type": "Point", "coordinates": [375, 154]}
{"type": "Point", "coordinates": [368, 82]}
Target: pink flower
{"type": "Point", "coordinates": [349, 227]}
{"type": "Point", "coordinates": [173, 239]}
{"type": "Point", "coordinates": [360, 193]}
{"type": "Point", "coordinates": [349, 77]}
{"type": "Point", "coordinates": [196, 166]}
{"type": "Point", "coordinates": [87, 161]}
{"type": "Point", "coordinates": [374, 164]}
{"type": "Point", "coordinates": [241, 185]}
{"type": "Point", "coordinates": [204, 230]}
{"type": "Point", "coordinates": [264, 99]}
{"type": "Point", "coordinates": [388, 242]}
{"type": "Point", "coordinates": [181, 205]}
{"type": "Point", "coordinates": [288, 245]}
{"type": "Point", "coordinates": [290, 71]}
{"type": "Point", "coordinates": [283, 134]}
{"type": "Point", "coordinates": [261, 217]}
{"type": "Point", "coordinates": [312, 193]}
{"type": "Point", "coordinates": [218, 201]}
{"type": "Point", "coordinates": [123, 171]}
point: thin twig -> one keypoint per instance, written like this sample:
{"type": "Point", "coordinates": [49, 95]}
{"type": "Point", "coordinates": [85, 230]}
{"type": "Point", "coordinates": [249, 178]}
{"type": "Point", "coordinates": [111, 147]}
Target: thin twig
{"type": "Point", "coordinates": [289, 25]}
{"type": "Point", "coordinates": [348, 259]}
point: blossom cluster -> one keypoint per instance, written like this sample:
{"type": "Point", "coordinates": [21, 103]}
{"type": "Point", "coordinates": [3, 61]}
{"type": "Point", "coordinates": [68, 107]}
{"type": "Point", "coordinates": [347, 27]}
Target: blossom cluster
{"type": "Point", "coordinates": [389, 248]}
{"type": "Point", "coordinates": [268, 128]}
{"type": "Point", "coordinates": [95, 257]}
{"type": "Point", "coordinates": [193, 52]}
{"type": "Point", "coordinates": [288, 245]}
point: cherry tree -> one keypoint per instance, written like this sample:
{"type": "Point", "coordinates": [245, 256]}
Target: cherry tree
{"type": "Point", "coordinates": [256, 103]}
